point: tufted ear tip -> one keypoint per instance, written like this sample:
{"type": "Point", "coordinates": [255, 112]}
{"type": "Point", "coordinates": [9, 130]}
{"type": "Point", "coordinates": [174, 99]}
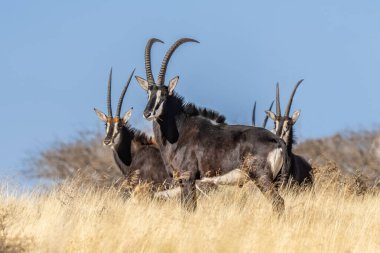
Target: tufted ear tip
{"type": "Point", "coordinates": [172, 84]}
{"type": "Point", "coordinates": [142, 82]}
{"type": "Point", "coordinates": [296, 115]}
{"type": "Point", "coordinates": [271, 115]}
{"type": "Point", "coordinates": [100, 115]}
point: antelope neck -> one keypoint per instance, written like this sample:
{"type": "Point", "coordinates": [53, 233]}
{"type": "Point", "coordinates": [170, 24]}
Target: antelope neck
{"type": "Point", "coordinates": [122, 151]}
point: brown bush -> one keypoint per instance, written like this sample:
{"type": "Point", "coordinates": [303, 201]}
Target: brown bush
{"type": "Point", "coordinates": [83, 157]}
{"type": "Point", "coordinates": [356, 154]}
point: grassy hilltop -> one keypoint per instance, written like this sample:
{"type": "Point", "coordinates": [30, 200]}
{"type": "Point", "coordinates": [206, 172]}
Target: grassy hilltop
{"type": "Point", "coordinates": [336, 216]}
{"type": "Point", "coordinates": [86, 211]}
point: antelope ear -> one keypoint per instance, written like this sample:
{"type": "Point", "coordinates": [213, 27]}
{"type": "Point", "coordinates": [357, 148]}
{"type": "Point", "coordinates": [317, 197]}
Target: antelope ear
{"type": "Point", "coordinates": [127, 115]}
{"type": "Point", "coordinates": [172, 85]}
{"type": "Point", "coordinates": [271, 115]}
{"type": "Point", "coordinates": [100, 115]}
{"type": "Point", "coordinates": [143, 83]}
{"type": "Point", "coordinates": [295, 116]}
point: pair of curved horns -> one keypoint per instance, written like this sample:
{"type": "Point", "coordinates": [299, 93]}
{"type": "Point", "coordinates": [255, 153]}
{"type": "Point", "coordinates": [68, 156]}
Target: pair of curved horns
{"type": "Point", "coordinates": [266, 115]}
{"type": "Point", "coordinates": [120, 103]}
{"type": "Point", "coordinates": [165, 61]}
{"type": "Point", "coordinates": [254, 115]}
{"type": "Point", "coordinates": [278, 107]}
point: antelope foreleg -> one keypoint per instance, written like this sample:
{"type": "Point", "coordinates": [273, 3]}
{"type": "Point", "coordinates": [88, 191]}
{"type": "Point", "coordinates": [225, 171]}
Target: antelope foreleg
{"type": "Point", "coordinates": [188, 191]}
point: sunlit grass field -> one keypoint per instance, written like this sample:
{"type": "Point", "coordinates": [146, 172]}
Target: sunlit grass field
{"type": "Point", "coordinates": [331, 217]}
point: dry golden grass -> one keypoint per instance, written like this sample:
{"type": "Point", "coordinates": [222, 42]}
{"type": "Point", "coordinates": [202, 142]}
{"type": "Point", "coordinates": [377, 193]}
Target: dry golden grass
{"type": "Point", "coordinates": [332, 217]}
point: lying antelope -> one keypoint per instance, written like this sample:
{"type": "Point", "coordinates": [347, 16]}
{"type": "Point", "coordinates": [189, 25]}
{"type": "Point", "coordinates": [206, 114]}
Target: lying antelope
{"type": "Point", "coordinates": [136, 155]}
{"type": "Point", "coordinates": [195, 147]}
{"type": "Point", "coordinates": [300, 170]}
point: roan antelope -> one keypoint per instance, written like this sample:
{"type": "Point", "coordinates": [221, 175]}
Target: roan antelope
{"type": "Point", "coordinates": [135, 154]}
{"type": "Point", "coordinates": [196, 147]}
{"type": "Point", "coordinates": [300, 169]}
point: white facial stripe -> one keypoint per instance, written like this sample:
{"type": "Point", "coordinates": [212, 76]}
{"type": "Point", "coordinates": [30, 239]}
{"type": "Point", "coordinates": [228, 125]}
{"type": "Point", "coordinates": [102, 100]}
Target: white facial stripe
{"type": "Point", "coordinates": [286, 123]}
{"type": "Point", "coordinates": [107, 131]}
{"type": "Point", "coordinates": [277, 125]}
{"type": "Point", "coordinates": [285, 131]}
{"type": "Point", "coordinates": [158, 97]}
{"type": "Point", "coordinates": [157, 111]}
{"type": "Point", "coordinates": [115, 134]}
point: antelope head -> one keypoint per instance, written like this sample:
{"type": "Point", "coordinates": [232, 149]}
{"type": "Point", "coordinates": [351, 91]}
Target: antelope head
{"type": "Point", "coordinates": [284, 124]}
{"type": "Point", "coordinates": [158, 92]}
{"type": "Point", "coordinates": [115, 124]}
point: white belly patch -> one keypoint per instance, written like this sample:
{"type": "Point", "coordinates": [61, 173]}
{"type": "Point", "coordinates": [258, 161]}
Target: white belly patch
{"type": "Point", "coordinates": [231, 178]}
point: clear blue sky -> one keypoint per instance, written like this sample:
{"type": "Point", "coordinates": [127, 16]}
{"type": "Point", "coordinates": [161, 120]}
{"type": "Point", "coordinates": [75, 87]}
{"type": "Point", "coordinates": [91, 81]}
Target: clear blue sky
{"type": "Point", "coordinates": [55, 57]}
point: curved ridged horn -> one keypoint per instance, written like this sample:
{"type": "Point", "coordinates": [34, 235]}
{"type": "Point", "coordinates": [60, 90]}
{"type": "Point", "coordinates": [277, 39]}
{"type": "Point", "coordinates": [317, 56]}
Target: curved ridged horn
{"type": "Point", "coordinates": [123, 94]}
{"type": "Point", "coordinates": [278, 106]}
{"type": "Point", "coordinates": [291, 98]}
{"type": "Point", "coordinates": [266, 117]}
{"type": "Point", "coordinates": [254, 114]}
{"type": "Point", "coordinates": [168, 55]}
{"type": "Point", "coordinates": [148, 65]}
{"type": "Point", "coordinates": [109, 94]}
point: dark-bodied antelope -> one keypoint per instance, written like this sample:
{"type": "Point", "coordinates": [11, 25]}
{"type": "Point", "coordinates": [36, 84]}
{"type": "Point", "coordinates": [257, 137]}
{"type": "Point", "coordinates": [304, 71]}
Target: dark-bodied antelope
{"type": "Point", "coordinates": [301, 170]}
{"type": "Point", "coordinates": [196, 147]}
{"type": "Point", "coordinates": [136, 155]}
{"type": "Point", "coordinates": [264, 125]}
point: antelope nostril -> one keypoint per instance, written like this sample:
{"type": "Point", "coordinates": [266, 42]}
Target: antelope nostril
{"type": "Point", "coordinates": [147, 114]}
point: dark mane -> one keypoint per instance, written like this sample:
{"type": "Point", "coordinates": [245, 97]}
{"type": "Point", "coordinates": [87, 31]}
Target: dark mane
{"type": "Point", "coordinates": [193, 110]}
{"type": "Point", "coordinates": [140, 137]}
{"type": "Point", "coordinates": [292, 139]}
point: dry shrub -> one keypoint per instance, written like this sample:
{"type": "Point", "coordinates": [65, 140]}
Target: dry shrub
{"type": "Point", "coordinates": [84, 157]}
{"type": "Point", "coordinates": [354, 153]}
{"type": "Point", "coordinates": [329, 176]}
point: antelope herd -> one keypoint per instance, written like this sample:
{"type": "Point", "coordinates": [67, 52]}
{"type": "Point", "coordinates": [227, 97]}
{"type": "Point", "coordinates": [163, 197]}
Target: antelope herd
{"type": "Point", "coordinates": [194, 145]}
